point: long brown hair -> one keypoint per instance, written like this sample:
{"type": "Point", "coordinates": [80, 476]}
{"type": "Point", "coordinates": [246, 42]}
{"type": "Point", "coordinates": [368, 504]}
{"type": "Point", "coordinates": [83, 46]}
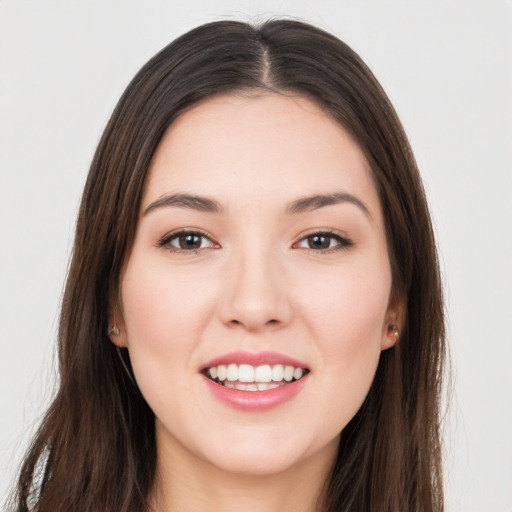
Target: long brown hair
{"type": "Point", "coordinates": [95, 450]}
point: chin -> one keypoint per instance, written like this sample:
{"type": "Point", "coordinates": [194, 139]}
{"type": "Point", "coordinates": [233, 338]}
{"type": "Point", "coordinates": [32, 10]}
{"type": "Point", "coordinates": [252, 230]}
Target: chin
{"type": "Point", "coordinates": [257, 464]}
{"type": "Point", "coordinates": [265, 453]}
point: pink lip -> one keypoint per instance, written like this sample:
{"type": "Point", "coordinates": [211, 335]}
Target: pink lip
{"type": "Point", "coordinates": [255, 400]}
{"type": "Point", "coordinates": [260, 358]}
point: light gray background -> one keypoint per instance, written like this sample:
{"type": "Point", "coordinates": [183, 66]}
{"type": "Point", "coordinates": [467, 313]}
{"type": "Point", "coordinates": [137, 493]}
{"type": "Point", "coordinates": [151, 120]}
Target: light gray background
{"type": "Point", "coordinates": [447, 66]}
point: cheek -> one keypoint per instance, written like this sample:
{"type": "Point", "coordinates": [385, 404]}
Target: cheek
{"type": "Point", "coordinates": [162, 307]}
{"type": "Point", "coordinates": [164, 317]}
{"type": "Point", "coordinates": [348, 306]}
{"type": "Point", "coordinates": [347, 316]}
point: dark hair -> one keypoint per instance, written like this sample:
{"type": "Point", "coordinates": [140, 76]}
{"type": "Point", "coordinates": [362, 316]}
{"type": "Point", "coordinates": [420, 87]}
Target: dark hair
{"type": "Point", "coordinates": [95, 450]}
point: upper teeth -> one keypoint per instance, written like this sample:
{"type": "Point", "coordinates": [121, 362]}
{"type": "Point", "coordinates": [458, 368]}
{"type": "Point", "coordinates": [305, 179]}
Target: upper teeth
{"type": "Point", "coordinates": [248, 373]}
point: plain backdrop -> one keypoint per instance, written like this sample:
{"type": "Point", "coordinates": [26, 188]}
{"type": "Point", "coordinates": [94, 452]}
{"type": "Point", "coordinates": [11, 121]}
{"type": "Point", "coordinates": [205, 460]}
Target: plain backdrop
{"type": "Point", "coordinates": [447, 67]}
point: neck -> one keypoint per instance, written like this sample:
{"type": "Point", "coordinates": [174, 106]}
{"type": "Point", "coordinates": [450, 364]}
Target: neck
{"type": "Point", "coordinates": [186, 483]}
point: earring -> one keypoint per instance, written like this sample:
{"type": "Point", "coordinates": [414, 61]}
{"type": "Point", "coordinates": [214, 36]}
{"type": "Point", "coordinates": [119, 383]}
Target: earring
{"type": "Point", "coordinates": [114, 330]}
{"type": "Point", "coordinates": [393, 331]}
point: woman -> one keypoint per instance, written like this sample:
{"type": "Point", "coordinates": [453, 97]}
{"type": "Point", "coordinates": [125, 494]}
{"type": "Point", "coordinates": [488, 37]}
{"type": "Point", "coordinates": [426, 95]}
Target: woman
{"type": "Point", "coordinates": [253, 316]}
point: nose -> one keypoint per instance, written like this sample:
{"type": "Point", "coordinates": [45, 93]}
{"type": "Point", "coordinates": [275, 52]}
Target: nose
{"type": "Point", "coordinates": [255, 296]}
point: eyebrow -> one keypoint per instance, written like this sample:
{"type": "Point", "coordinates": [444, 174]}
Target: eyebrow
{"type": "Point", "coordinates": [317, 201]}
{"type": "Point", "coordinates": [200, 203]}
{"type": "Point", "coordinates": [302, 205]}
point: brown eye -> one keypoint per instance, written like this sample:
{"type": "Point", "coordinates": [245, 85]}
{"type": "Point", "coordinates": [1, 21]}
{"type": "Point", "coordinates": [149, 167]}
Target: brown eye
{"type": "Point", "coordinates": [189, 241]}
{"type": "Point", "coordinates": [186, 241]}
{"type": "Point", "coordinates": [324, 242]}
{"type": "Point", "coordinates": [319, 241]}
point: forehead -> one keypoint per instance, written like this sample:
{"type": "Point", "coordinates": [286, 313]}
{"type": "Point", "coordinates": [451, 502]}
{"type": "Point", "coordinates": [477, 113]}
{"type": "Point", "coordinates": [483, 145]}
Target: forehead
{"type": "Point", "coordinates": [258, 147]}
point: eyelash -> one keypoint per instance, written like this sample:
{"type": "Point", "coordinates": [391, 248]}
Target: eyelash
{"type": "Point", "coordinates": [343, 242]}
{"type": "Point", "coordinates": [165, 242]}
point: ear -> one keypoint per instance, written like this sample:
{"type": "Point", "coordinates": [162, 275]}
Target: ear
{"type": "Point", "coordinates": [393, 323]}
{"type": "Point", "coordinates": [116, 324]}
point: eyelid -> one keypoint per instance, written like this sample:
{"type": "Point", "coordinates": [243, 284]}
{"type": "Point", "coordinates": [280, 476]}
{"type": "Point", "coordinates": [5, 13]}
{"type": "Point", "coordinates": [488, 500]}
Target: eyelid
{"type": "Point", "coordinates": [164, 242]}
{"type": "Point", "coordinates": [344, 241]}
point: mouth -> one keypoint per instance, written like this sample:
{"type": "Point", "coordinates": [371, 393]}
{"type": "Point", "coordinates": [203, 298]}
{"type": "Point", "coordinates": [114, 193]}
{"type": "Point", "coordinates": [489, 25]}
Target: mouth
{"type": "Point", "coordinates": [245, 377]}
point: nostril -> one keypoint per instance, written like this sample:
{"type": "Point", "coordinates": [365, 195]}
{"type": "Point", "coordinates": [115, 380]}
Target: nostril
{"type": "Point", "coordinates": [273, 321]}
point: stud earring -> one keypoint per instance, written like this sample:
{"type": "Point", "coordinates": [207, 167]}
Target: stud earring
{"type": "Point", "coordinates": [114, 330]}
{"type": "Point", "coordinates": [393, 329]}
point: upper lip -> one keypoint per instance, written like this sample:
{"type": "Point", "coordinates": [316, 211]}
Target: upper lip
{"type": "Point", "coordinates": [254, 359]}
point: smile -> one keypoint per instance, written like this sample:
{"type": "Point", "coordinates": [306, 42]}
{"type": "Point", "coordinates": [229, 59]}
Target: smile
{"type": "Point", "coordinates": [255, 381]}
{"type": "Point", "coordinates": [245, 377]}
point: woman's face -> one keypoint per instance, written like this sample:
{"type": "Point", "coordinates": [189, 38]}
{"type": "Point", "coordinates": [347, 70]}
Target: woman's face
{"type": "Point", "coordinates": [260, 246]}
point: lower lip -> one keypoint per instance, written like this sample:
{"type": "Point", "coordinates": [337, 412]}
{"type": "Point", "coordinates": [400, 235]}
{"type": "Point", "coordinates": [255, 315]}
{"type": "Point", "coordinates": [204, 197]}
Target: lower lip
{"type": "Point", "coordinates": [255, 400]}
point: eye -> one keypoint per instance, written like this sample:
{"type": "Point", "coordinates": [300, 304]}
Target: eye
{"type": "Point", "coordinates": [186, 241]}
{"type": "Point", "coordinates": [324, 241]}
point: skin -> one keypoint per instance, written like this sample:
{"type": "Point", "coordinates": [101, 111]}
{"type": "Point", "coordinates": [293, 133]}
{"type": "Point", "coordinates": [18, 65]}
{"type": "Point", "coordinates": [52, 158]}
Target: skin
{"type": "Point", "coordinates": [255, 285]}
